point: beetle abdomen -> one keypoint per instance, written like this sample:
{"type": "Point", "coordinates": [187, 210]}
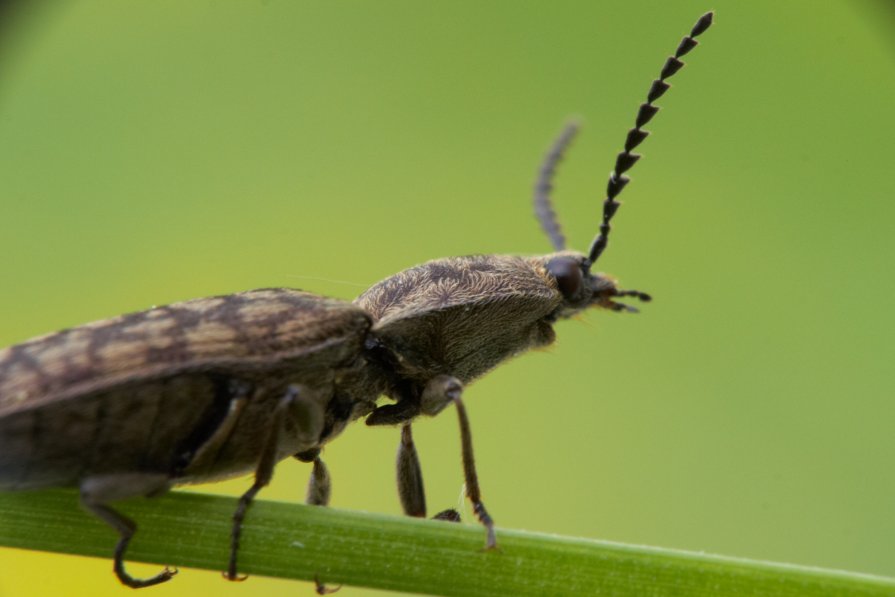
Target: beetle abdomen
{"type": "Point", "coordinates": [134, 428]}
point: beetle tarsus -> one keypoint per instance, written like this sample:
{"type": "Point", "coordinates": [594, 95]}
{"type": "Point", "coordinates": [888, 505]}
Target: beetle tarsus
{"type": "Point", "coordinates": [322, 589]}
{"type": "Point", "coordinates": [473, 492]}
{"type": "Point", "coordinates": [128, 580]}
{"type": "Point", "coordinates": [485, 518]}
{"type": "Point", "coordinates": [449, 515]}
{"type": "Point", "coordinates": [95, 491]}
{"type": "Point", "coordinates": [238, 516]}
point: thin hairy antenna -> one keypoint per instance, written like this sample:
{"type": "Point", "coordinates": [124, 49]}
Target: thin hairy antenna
{"type": "Point", "coordinates": [626, 159]}
{"type": "Point", "coordinates": [543, 206]}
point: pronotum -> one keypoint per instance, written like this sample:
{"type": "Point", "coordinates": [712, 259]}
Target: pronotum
{"type": "Point", "coordinates": [221, 386]}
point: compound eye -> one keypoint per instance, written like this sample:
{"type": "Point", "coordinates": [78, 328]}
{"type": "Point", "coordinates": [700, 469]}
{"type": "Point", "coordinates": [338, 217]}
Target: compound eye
{"type": "Point", "coordinates": [568, 276]}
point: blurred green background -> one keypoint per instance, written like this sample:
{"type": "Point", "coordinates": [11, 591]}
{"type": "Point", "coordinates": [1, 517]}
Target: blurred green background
{"type": "Point", "coordinates": [155, 152]}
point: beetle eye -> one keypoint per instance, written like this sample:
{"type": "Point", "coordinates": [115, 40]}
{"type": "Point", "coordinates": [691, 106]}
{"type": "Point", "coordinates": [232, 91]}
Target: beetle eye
{"type": "Point", "coordinates": [568, 275]}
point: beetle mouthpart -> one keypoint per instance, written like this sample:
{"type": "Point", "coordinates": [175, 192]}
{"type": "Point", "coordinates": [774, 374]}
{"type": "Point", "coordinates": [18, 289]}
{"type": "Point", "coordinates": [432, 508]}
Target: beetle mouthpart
{"type": "Point", "coordinates": [621, 307]}
{"type": "Point", "coordinates": [608, 303]}
{"type": "Point", "coordinates": [644, 297]}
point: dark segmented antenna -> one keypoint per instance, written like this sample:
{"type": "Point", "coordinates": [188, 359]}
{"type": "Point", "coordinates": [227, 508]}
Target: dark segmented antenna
{"type": "Point", "coordinates": [626, 159]}
{"type": "Point", "coordinates": [543, 206]}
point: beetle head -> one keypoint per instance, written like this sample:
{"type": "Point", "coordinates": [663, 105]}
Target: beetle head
{"type": "Point", "coordinates": [571, 271]}
{"type": "Point", "coordinates": [581, 289]}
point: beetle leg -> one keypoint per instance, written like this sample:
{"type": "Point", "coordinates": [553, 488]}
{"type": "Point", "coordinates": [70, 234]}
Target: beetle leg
{"type": "Point", "coordinates": [96, 491]}
{"type": "Point", "coordinates": [449, 515]}
{"type": "Point", "coordinates": [410, 477]}
{"type": "Point", "coordinates": [472, 480]}
{"type": "Point", "coordinates": [410, 481]}
{"type": "Point", "coordinates": [322, 589]}
{"type": "Point", "coordinates": [438, 393]}
{"type": "Point", "coordinates": [263, 475]}
{"type": "Point", "coordinates": [319, 491]}
{"type": "Point", "coordinates": [207, 453]}
{"type": "Point", "coordinates": [393, 414]}
{"type": "Point", "coordinates": [319, 485]}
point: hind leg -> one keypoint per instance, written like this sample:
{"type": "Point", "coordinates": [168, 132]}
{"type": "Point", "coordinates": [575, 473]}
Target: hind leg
{"type": "Point", "coordinates": [97, 491]}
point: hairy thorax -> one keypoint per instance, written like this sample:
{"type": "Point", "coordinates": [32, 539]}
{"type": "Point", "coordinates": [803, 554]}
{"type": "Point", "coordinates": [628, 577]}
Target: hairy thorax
{"type": "Point", "coordinates": [462, 315]}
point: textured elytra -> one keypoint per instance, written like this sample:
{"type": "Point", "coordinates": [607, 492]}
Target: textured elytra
{"type": "Point", "coordinates": [145, 392]}
{"type": "Point", "coordinates": [245, 330]}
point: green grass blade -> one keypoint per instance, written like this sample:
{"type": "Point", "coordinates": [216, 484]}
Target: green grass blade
{"type": "Point", "coordinates": [354, 548]}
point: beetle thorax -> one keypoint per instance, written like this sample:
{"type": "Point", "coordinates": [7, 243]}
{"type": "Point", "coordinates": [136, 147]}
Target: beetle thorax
{"type": "Point", "coordinates": [462, 315]}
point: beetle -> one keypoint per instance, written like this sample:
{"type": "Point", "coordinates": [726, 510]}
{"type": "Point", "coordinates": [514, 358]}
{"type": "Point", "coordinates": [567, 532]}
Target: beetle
{"type": "Point", "coordinates": [222, 386]}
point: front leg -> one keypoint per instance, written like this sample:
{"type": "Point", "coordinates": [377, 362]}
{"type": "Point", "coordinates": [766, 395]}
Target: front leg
{"type": "Point", "coordinates": [410, 476]}
{"type": "Point", "coordinates": [319, 485]}
{"type": "Point", "coordinates": [472, 480]}
{"type": "Point", "coordinates": [403, 411]}
{"type": "Point", "coordinates": [319, 491]}
{"type": "Point", "coordinates": [438, 393]}
{"type": "Point", "coordinates": [410, 481]}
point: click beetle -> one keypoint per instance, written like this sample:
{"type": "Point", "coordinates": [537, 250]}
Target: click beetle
{"type": "Point", "coordinates": [218, 387]}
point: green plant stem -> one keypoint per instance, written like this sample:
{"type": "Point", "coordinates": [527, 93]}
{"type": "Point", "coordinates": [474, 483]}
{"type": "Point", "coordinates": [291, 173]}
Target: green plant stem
{"type": "Point", "coordinates": [354, 548]}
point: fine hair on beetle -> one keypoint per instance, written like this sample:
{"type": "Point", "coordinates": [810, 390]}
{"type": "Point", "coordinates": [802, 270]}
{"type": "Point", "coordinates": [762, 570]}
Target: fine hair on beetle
{"type": "Point", "coordinates": [223, 386]}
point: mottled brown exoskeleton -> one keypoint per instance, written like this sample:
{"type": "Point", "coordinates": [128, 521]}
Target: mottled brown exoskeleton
{"type": "Point", "coordinates": [223, 386]}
